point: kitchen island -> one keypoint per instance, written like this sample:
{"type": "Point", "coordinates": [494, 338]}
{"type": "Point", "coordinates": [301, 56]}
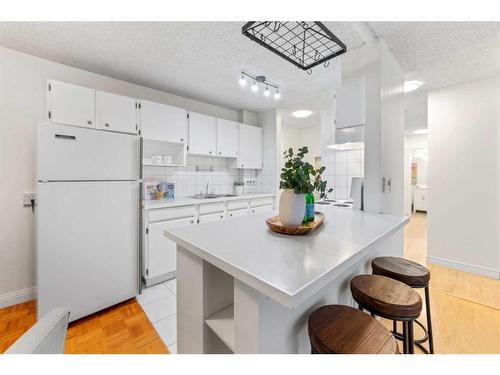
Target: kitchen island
{"type": "Point", "coordinates": [242, 288]}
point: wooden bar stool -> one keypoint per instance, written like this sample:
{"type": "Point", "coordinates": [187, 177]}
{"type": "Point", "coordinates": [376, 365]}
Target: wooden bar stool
{"type": "Point", "coordinates": [390, 299]}
{"type": "Point", "coordinates": [337, 329]}
{"type": "Point", "coordinates": [416, 276]}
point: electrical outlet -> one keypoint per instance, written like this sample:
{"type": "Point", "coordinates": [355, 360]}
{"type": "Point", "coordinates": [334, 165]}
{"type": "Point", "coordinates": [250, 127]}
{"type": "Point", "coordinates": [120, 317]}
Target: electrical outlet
{"type": "Point", "coordinates": [27, 197]}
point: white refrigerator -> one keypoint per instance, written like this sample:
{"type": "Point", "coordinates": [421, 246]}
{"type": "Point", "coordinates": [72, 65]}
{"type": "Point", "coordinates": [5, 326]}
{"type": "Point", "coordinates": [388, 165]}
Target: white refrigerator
{"type": "Point", "coordinates": [87, 218]}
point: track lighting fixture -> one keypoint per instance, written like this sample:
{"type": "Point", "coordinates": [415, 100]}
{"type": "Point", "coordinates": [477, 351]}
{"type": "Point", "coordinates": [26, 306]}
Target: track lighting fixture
{"type": "Point", "coordinates": [255, 85]}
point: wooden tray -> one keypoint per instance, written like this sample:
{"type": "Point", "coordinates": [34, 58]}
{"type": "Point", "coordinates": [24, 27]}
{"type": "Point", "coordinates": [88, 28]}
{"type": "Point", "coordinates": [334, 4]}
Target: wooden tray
{"type": "Point", "coordinates": [275, 225]}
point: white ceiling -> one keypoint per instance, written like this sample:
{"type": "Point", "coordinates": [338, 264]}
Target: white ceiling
{"type": "Point", "coordinates": [443, 53]}
{"type": "Point", "coordinates": [202, 60]}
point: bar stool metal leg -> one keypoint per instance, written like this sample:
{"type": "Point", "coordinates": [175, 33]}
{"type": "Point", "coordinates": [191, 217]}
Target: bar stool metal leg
{"type": "Point", "coordinates": [429, 321]}
{"type": "Point", "coordinates": [411, 344]}
{"type": "Point", "coordinates": [405, 337]}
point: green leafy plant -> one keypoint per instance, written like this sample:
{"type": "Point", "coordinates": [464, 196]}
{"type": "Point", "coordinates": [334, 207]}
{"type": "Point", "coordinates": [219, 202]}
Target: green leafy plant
{"type": "Point", "coordinates": [238, 183]}
{"type": "Point", "coordinates": [300, 176]}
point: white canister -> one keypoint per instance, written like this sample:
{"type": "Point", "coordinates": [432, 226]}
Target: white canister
{"type": "Point", "coordinates": [167, 159]}
{"type": "Point", "coordinates": [238, 189]}
{"type": "Point", "coordinates": [292, 208]}
{"type": "Point", "coordinates": [156, 159]}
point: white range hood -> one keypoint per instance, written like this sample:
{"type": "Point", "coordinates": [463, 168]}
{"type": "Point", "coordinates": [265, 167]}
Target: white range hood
{"type": "Point", "coordinates": [352, 138]}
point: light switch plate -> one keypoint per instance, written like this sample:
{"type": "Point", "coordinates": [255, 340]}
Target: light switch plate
{"type": "Point", "coordinates": [27, 197]}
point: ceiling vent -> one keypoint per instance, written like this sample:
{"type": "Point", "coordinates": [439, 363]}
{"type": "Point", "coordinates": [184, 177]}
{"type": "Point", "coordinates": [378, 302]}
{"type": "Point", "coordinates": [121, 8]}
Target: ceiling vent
{"type": "Point", "coordinates": [304, 44]}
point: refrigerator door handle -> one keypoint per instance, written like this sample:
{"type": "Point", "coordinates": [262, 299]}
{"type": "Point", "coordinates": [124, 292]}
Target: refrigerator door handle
{"type": "Point", "coordinates": [65, 136]}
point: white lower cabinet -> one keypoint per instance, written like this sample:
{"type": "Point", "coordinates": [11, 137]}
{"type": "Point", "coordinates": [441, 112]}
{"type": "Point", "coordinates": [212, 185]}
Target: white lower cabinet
{"type": "Point", "coordinates": [161, 254]}
{"type": "Point", "coordinates": [257, 210]}
{"type": "Point", "coordinates": [237, 213]}
{"type": "Point", "coordinates": [212, 217]}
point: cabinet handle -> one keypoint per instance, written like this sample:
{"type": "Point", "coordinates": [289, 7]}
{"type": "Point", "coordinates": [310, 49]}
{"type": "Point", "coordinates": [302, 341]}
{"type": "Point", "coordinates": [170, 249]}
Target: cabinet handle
{"type": "Point", "coordinates": [192, 221]}
{"type": "Point", "coordinates": [220, 152]}
{"type": "Point", "coordinates": [209, 152]}
{"type": "Point", "coordinates": [106, 125]}
{"type": "Point", "coordinates": [89, 122]}
{"type": "Point", "coordinates": [182, 139]}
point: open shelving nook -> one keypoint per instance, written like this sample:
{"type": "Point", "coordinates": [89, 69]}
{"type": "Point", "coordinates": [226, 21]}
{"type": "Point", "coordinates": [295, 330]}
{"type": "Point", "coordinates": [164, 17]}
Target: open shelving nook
{"type": "Point", "coordinates": [222, 324]}
{"type": "Point", "coordinates": [176, 150]}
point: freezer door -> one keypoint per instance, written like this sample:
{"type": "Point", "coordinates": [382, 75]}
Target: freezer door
{"type": "Point", "coordinates": [88, 245]}
{"type": "Point", "coordinates": [73, 153]}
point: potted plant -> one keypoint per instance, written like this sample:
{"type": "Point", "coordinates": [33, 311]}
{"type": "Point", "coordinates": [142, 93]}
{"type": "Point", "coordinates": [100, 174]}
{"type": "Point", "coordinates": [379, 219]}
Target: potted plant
{"type": "Point", "coordinates": [238, 187]}
{"type": "Point", "coordinates": [298, 178]}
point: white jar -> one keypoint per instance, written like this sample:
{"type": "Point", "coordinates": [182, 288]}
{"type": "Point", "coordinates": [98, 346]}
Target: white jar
{"type": "Point", "coordinates": [292, 208]}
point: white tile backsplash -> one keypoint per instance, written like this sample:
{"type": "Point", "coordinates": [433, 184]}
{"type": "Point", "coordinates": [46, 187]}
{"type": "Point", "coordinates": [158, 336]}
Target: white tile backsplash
{"type": "Point", "coordinates": [341, 166]}
{"type": "Point", "coordinates": [189, 182]}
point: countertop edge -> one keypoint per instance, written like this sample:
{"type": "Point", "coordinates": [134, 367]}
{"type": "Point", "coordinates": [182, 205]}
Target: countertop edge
{"type": "Point", "coordinates": [289, 300]}
{"type": "Point", "coordinates": [193, 201]}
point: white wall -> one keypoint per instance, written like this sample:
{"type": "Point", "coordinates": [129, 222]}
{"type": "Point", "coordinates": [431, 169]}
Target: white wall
{"type": "Point", "coordinates": [464, 177]}
{"type": "Point", "coordinates": [267, 180]}
{"type": "Point", "coordinates": [299, 137]}
{"type": "Point", "coordinates": [22, 104]}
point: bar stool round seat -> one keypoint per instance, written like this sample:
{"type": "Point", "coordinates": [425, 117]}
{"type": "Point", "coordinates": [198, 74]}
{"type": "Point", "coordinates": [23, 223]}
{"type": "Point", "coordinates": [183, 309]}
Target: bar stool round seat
{"type": "Point", "coordinates": [416, 276]}
{"type": "Point", "coordinates": [386, 297]}
{"type": "Point", "coordinates": [338, 329]}
{"type": "Point", "coordinates": [406, 271]}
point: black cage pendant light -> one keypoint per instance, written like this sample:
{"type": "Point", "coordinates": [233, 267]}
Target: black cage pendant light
{"type": "Point", "coordinates": [304, 44]}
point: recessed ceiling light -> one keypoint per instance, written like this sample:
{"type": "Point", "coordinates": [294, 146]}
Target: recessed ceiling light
{"type": "Point", "coordinates": [421, 131]}
{"type": "Point", "coordinates": [410, 86]}
{"type": "Point", "coordinates": [302, 113]}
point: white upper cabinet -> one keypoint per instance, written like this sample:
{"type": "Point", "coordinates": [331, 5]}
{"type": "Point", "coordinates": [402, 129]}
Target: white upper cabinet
{"type": "Point", "coordinates": [162, 122]}
{"type": "Point", "coordinates": [202, 134]}
{"type": "Point", "coordinates": [71, 104]}
{"type": "Point", "coordinates": [350, 103]}
{"type": "Point", "coordinates": [227, 138]}
{"type": "Point", "coordinates": [250, 147]}
{"type": "Point", "coordinates": [116, 113]}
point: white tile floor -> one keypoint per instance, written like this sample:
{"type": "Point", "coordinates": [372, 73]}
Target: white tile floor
{"type": "Point", "coordinates": [159, 302]}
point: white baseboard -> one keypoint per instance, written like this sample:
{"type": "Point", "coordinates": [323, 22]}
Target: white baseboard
{"type": "Point", "coordinates": [478, 270]}
{"type": "Point", "coordinates": [17, 296]}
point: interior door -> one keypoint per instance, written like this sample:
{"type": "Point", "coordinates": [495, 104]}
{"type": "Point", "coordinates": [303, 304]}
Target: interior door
{"type": "Point", "coordinates": [71, 104]}
{"type": "Point", "coordinates": [202, 134]}
{"type": "Point", "coordinates": [162, 252]}
{"type": "Point", "coordinates": [163, 122]}
{"type": "Point", "coordinates": [227, 138]}
{"type": "Point", "coordinates": [116, 113]}
{"type": "Point", "coordinates": [88, 245]}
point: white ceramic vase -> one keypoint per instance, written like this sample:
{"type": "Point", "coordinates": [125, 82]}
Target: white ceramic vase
{"type": "Point", "coordinates": [292, 208]}
{"type": "Point", "coordinates": [238, 190]}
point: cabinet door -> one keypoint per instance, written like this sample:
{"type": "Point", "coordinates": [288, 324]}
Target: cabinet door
{"type": "Point", "coordinates": [162, 122]}
{"type": "Point", "coordinates": [162, 252]}
{"type": "Point", "coordinates": [209, 218]}
{"type": "Point", "coordinates": [202, 134]}
{"type": "Point", "coordinates": [250, 147]}
{"type": "Point", "coordinates": [227, 138]}
{"type": "Point", "coordinates": [116, 113]}
{"type": "Point", "coordinates": [237, 213]}
{"type": "Point", "coordinates": [350, 103]}
{"type": "Point", "coordinates": [71, 104]}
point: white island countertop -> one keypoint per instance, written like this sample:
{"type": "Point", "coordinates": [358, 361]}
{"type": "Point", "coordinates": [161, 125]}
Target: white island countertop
{"type": "Point", "coordinates": [288, 269]}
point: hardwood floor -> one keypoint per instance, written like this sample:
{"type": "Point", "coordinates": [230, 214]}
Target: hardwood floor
{"type": "Point", "coordinates": [465, 307]}
{"type": "Point", "coordinates": [120, 329]}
